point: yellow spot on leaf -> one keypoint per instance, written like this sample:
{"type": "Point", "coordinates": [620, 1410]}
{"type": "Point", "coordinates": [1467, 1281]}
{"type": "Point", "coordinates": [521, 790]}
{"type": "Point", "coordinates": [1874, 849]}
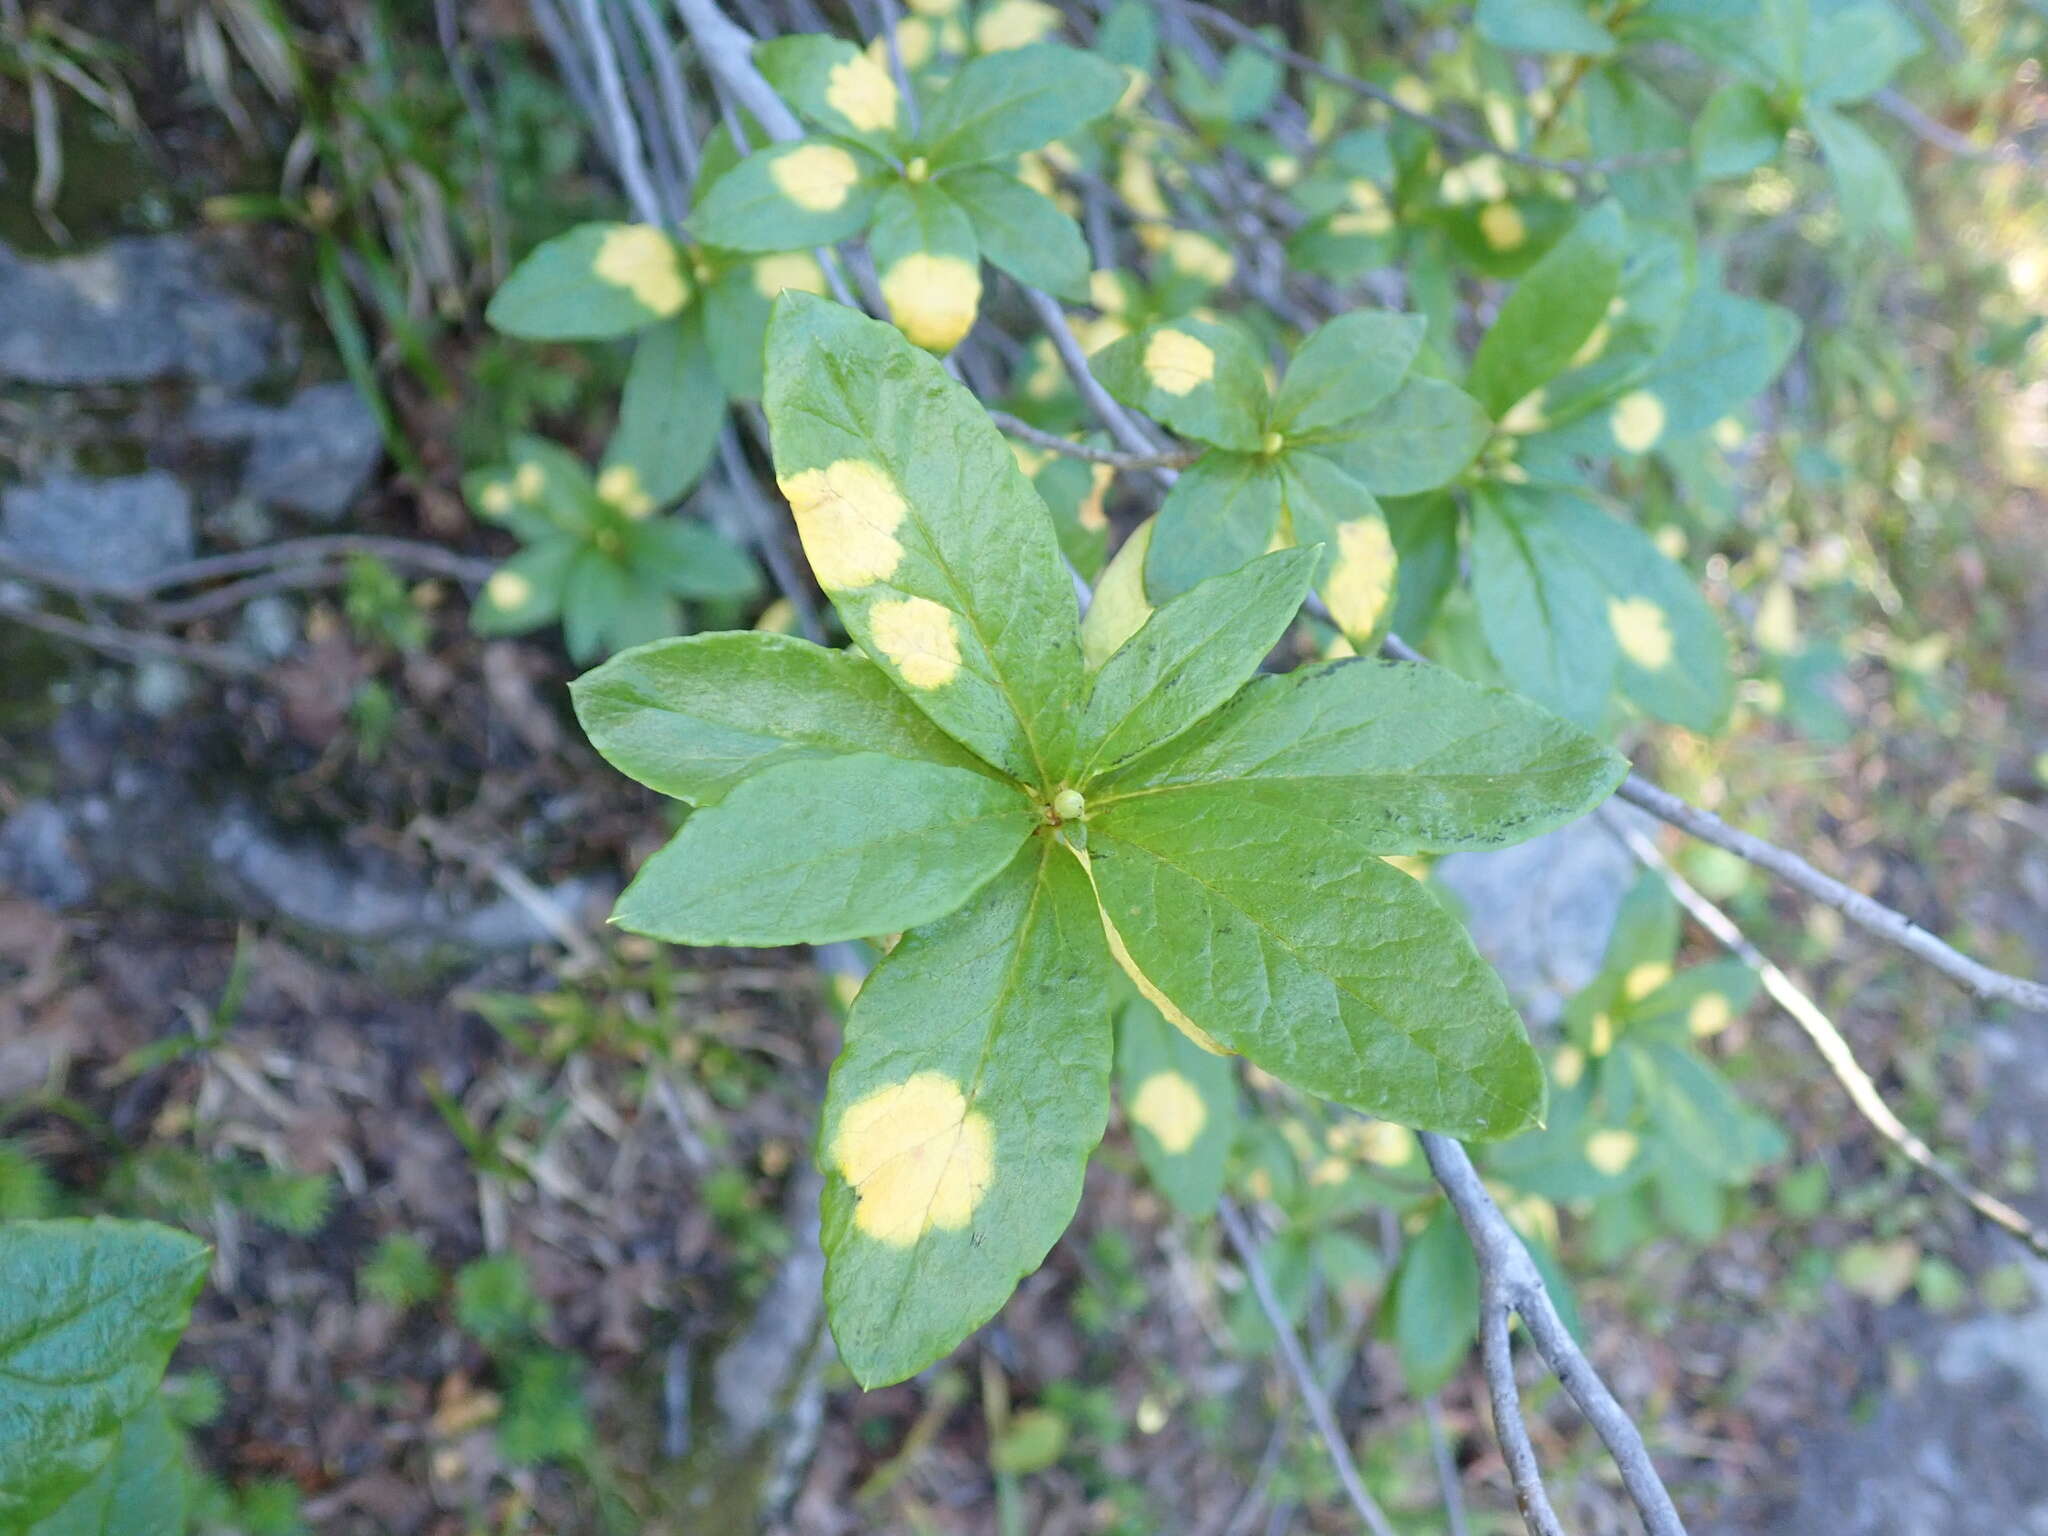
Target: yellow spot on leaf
{"type": "Point", "coordinates": [508, 590]}
{"type": "Point", "coordinates": [1594, 344]}
{"type": "Point", "coordinates": [1178, 363]}
{"type": "Point", "coordinates": [1386, 1144]}
{"type": "Point", "coordinates": [528, 482]}
{"type": "Point", "coordinates": [920, 638]}
{"type": "Point", "coordinates": [1106, 291]}
{"type": "Point", "coordinates": [1611, 1151]}
{"type": "Point", "coordinates": [847, 515]}
{"type": "Point", "coordinates": [1014, 24]}
{"type": "Point", "coordinates": [1568, 1066]}
{"type": "Point", "coordinates": [1641, 630]}
{"type": "Point", "coordinates": [934, 7]}
{"type": "Point", "coordinates": [816, 177]}
{"type": "Point", "coordinates": [916, 1157]}
{"type": "Point", "coordinates": [495, 499]}
{"type": "Point", "coordinates": [1201, 258]}
{"type": "Point", "coordinates": [620, 486]}
{"type": "Point", "coordinates": [861, 91]}
{"type": "Point", "coordinates": [642, 260]}
{"type": "Point", "coordinates": [933, 298]}
{"type": "Point", "coordinates": [1637, 421]}
{"type": "Point", "coordinates": [1671, 541]}
{"type": "Point", "coordinates": [1526, 414]}
{"type": "Point", "coordinates": [1602, 1034]}
{"type": "Point", "coordinates": [1501, 226]}
{"type": "Point", "coordinates": [1729, 434]}
{"type": "Point", "coordinates": [786, 271]}
{"type": "Point", "coordinates": [1777, 620]}
{"type": "Point", "coordinates": [1139, 185]}
{"type": "Point", "coordinates": [1331, 1170]}
{"type": "Point", "coordinates": [1119, 608]}
{"type": "Point", "coordinates": [1282, 170]}
{"type": "Point", "coordinates": [1476, 181]}
{"type": "Point", "coordinates": [1362, 580]}
{"type": "Point", "coordinates": [1645, 979]}
{"type": "Point", "coordinates": [914, 42]}
{"type": "Point", "coordinates": [1710, 1013]}
{"type": "Point", "coordinates": [1368, 213]}
{"type": "Point", "coordinates": [1413, 94]}
{"type": "Point", "coordinates": [1170, 1107]}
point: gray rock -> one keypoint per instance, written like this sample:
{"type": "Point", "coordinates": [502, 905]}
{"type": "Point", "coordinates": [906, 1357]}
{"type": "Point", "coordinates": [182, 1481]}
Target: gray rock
{"type": "Point", "coordinates": [117, 530]}
{"type": "Point", "coordinates": [1541, 911]}
{"type": "Point", "coordinates": [313, 454]}
{"type": "Point", "coordinates": [135, 311]}
{"type": "Point", "coordinates": [39, 859]}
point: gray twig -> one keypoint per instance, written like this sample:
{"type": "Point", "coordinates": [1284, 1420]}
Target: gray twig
{"type": "Point", "coordinates": [1505, 1266]}
{"type": "Point", "coordinates": [1305, 1382]}
{"type": "Point", "coordinates": [1867, 913]}
{"type": "Point", "coordinates": [1052, 442]}
{"type": "Point", "coordinates": [1828, 1040]}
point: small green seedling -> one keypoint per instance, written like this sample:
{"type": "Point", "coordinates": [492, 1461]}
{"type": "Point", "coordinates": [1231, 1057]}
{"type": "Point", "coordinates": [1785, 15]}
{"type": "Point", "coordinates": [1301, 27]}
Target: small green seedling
{"type": "Point", "coordinates": [598, 557]}
{"type": "Point", "coordinates": [1032, 824]}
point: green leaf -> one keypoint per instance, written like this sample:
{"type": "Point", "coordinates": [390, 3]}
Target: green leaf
{"type": "Point", "coordinates": [1873, 198]}
{"type": "Point", "coordinates": [693, 717]}
{"type": "Point", "coordinates": [526, 591]}
{"type": "Point", "coordinates": [1202, 378]}
{"type": "Point", "coordinates": [1542, 26]}
{"type": "Point", "coordinates": [736, 306]}
{"type": "Point", "coordinates": [1540, 608]}
{"type": "Point", "coordinates": [1407, 758]}
{"type": "Point", "coordinates": [813, 850]}
{"type": "Point", "coordinates": [835, 86]}
{"type": "Point", "coordinates": [1181, 1102]}
{"type": "Point", "coordinates": [1192, 654]}
{"type": "Point", "coordinates": [1278, 932]}
{"type": "Point", "coordinates": [89, 1311]}
{"type": "Point", "coordinates": [1627, 115]}
{"type": "Point", "coordinates": [1702, 1000]}
{"type": "Point", "coordinates": [595, 592]}
{"type": "Point", "coordinates": [1552, 312]}
{"type": "Point", "coordinates": [928, 263]}
{"type": "Point", "coordinates": [1222, 513]}
{"type": "Point", "coordinates": [1023, 232]}
{"type": "Point", "coordinates": [1345, 368]}
{"type": "Point", "coordinates": [1003, 104]}
{"type": "Point", "coordinates": [790, 196]}
{"type": "Point", "coordinates": [944, 564]}
{"type": "Point", "coordinates": [1425, 530]}
{"type": "Point", "coordinates": [671, 411]}
{"type": "Point", "coordinates": [1436, 1303]}
{"type": "Point", "coordinates": [1357, 573]}
{"type": "Point", "coordinates": [1421, 438]}
{"type": "Point", "coordinates": [597, 280]}
{"type": "Point", "coordinates": [1736, 131]}
{"type": "Point", "coordinates": [1852, 50]}
{"type": "Point", "coordinates": [1725, 351]}
{"type": "Point", "coordinates": [687, 559]}
{"type": "Point", "coordinates": [1673, 656]}
{"type": "Point", "coordinates": [1645, 935]}
{"type": "Point", "coordinates": [142, 1489]}
{"type": "Point", "coordinates": [973, 1084]}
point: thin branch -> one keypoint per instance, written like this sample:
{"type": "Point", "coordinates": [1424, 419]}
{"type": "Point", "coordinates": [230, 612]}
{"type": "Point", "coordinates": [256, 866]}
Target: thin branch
{"type": "Point", "coordinates": [1446, 1467]}
{"type": "Point", "coordinates": [128, 645]}
{"type": "Point", "coordinates": [1931, 130]}
{"type": "Point", "coordinates": [1497, 1359]}
{"type": "Point", "coordinates": [1874, 916]}
{"type": "Point", "coordinates": [1052, 442]}
{"type": "Point", "coordinates": [728, 53]}
{"type": "Point", "coordinates": [1442, 127]}
{"type": "Point", "coordinates": [630, 161]}
{"type": "Point", "coordinates": [1305, 1382]}
{"type": "Point", "coordinates": [411, 554]}
{"type": "Point", "coordinates": [1828, 1040]}
{"type": "Point", "coordinates": [1503, 1256]}
{"type": "Point", "coordinates": [1121, 424]}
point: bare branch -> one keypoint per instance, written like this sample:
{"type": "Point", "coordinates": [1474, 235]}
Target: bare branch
{"type": "Point", "coordinates": [1052, 442]}
{"type": "Point", "coordinates": [1442, 127]}
{"type": "Point", "coordinates": [1828, 1040]}
{"type": "Point", "coordinates": [1505, 1259]}
{"type": "Point", "coordinates": [1122, 425]}
{"type": "Point", "coordinates": [1874, 916]}
{"type": "Point", "coordinates": [728, 52]}
{"type": "Point", "coordinates": [1446, 1468]}
{"type": "Point", "coordinates": [1305, 1382]}
{"type": "Point", "coordinates": [1931, 130]}
{"type": "Point", "coordinates": [1497, 1359]}
{"type": "Point", "coordinates": [128, 645]}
